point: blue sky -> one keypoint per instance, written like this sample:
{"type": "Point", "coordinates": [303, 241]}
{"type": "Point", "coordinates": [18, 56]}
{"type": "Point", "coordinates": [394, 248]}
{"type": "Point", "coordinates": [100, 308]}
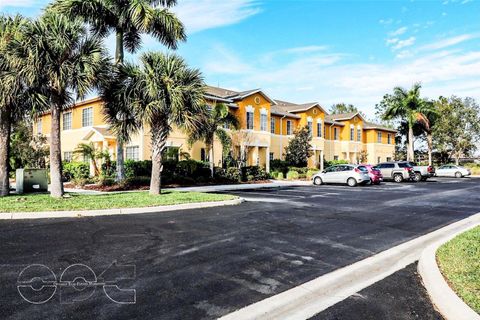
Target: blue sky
{"type": "Point", "coordinates": [327, 51]}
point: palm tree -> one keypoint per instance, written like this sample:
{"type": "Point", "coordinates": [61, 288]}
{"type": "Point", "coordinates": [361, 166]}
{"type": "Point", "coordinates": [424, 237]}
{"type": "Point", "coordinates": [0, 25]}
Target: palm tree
{"type": "Point", "coordinates": [70, 63]}
{"type": "Point", "coordinates": [213, 122]}
{"type": "Point", "coordinates": [427, 120]}
{"type": "Point", "coordinates": [129, 19]}
{"type": "Point", "coordinates": [88, 151]}
{"type": "Point", "coordinates": [17, 98]}
{"type": "Point", "coordinates": [406, 105]}
{"type": "Point", "coordinates": [167, 93]}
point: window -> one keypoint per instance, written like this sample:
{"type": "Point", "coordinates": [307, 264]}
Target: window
{"type": "Point", "coordinates": [39, 126]}
{"type": "Point", "coordinates": [289, 127]}
{"type": "Point", "coordinates": [335, 133]}
{"type": "Point", "coordinates": [250, 120]}
{"type": "Point", "coordinates": [319, 129]}
{"type": "Point", "coordinates": [203, 155]}
{"type": "Point", "coordinates": [379, 137]}
{"type": "Point", "coordinates": [132, 153]}
{"type": "Point", "coordinates": [271, 156]}
{"type": "Point", "coordinates": [380, 160]}
{"type": "Point", "coordinates": [310, 127]}
{"type": "Point", "coordinates": [389, 159]}
{"type": "Point", "coordinates": [389, 139]}
{"type": "Point", "coordinates": [263, 122]}
{"type": "Point", "coordinates": [171, 153]}
{"type": "Point", "coordinates": [325, 132]}
{"type": "Point", "coordinates": [67, 121]}
{"type": "Point", "coordinates": [352, 134]}
{"type": "Point", "coordinates": [272, 125]}
{"type": "Point", "coordinates": [335, 158]}
{"type": "Point", "coordinates": [68, 156]}
{"type": "Point", "coordinates": [359, 134]}
{"type": "Point", "coordinates": [87, 117]}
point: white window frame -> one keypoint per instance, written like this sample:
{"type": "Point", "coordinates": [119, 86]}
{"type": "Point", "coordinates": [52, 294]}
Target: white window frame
{"type": "Point", "coordinates": [335, 133]}
{"type": "Point", "coordinates": [263, 122]}
{"type": "Point", "coordinates": [39, 126]}
{"type": "Point", "coordinates": [379, 137]}
{"type": "Point", "coordinates": [389, 139]}
{"type": "Point", "coordinates": [319, 128]}
{"type": "Point", "coordinates": [67, 156]}
{"type": "Point", "coordinates": [132, 153]}
{"type": "Point", "coordinates": [352, 132]}
{"type": "Point", "coordinates": [359, 133]}
{"type": "Point", "coordinates": [87, 122]}
{"type": "Point", "coordinates": [272, 125]}
{"type": "Point", "coordinates": [289, 127]}
{"type": "Point", "coordinates": [67, 115]}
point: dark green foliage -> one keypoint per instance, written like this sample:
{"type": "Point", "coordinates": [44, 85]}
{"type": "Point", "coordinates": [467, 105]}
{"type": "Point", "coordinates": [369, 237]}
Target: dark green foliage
{"type": "Point", "coordinates": [334, 162]}
{"type": "Point", "coordinates": [279, 165]}
{"type": "Point", "coordinates": [75, 170]}
{"type": "Point", "coordinates": [299, 149]}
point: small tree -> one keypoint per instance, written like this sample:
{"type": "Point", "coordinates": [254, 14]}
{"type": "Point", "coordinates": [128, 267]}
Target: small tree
{"type": "Point", "coordinates": [88, 151]}
{"type": "Point", "coordinates": [241, 145]}
{"type": "Point", "coordinates": [362, 157]}
{"type": "Point", "coordinates": [299, 148]}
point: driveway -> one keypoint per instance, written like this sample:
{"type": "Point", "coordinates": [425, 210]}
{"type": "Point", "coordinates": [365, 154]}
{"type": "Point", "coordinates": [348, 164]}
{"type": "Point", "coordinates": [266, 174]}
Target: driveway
{"type": "Point", "coordinates": [201, 264]}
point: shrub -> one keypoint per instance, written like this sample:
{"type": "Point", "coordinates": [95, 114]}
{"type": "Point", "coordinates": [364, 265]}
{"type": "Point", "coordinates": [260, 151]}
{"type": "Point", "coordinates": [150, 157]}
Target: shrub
{"type": "Point", "coordinates": [311, 173]}
{"type": "Point", "coordinates": [75, 170]}
{"type": "Point", "coordinates": [274, 174]}
{"type": "Point", "coordinates": [138, 168]}
{"type": "Point", "coordinates": [80, 182]}
{"type": "Point", "coordinates": [280, 176]}
{"type": "Point", "coordinates": [233, 174]}
{"type": "Point", "coordinates": [105, 181]}
{"type": "Point", "coordinates": [292, 175]}
{"type": "Point", "coordinates": [136, 182]}
{"type": "Point", "coordinates": [254, 173]}
{"type": "Point", "coordinates": [334, 162]}
{"type": "Point", "coordinates": [300, 170]}
{"type": "Point", "coordinates": [279, 165]}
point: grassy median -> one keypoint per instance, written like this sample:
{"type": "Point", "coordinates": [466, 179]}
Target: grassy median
{"type": "Point", "coordinates": [73, 201]}
{"type": "Point", "coordinates": [459, 261]}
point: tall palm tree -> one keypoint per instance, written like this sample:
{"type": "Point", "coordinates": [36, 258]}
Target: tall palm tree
{"type": "Point", "coordinates": [70, 62]}
{"type": "Point", "coordinates": [128, 19]}
{"type": "Point", "coordinates": [213, 123]}
{"type": "Point", "coordinates": [167, 93]}
{"type": "Point", "coordinates": [17, 97]}
{"type": "Point", "coordinates": [406, 105]}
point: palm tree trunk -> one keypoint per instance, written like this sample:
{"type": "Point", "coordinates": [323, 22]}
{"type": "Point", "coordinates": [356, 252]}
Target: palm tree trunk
{"type": "Point", "coordinates": [119, 55]}
{"type": "Point", "coordinates": [410, 147]}
{"type": "Point", "coordinates": [56, 187]}
{"type": "Point", "coordinates": [5, 127]}
{"type": "Point", "coordinates": [211, 161]}
{"type": "Point", "coordinates": [430, 148]}
{"type": "Point", "coordinates": [159, 140]}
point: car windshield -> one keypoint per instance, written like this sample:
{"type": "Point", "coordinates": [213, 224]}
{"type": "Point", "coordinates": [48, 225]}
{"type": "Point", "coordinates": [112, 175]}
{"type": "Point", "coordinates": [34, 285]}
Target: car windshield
{"type": "Point", "coordinates": [375, 168]}
{"type": "Point", "coordinates": [362, 168]}
{"type": "Point", "coordinates": [404, 165]}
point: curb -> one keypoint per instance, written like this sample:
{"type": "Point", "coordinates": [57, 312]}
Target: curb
{"type": "Point", "coordinates": [310, 298]}
{"type": "Point", "coordinates": [446, 301]}
{"type": "Point", "coordinates": [112, 212]}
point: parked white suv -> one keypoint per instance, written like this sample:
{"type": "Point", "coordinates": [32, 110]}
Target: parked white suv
{"type": "Point", "coordinates": [350, 174]}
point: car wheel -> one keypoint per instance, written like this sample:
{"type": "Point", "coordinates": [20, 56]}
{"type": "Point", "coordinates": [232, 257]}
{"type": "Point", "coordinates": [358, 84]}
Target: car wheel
{"type": "Point", "coordinates": [317, 181]}
{"type": "Point", "coordinates": [352, 182]}
{"type": "Point", "coordinates": [458, 175]}
{"type": "Point", "coordinates": [377, 183]}
{"type": "Point", "coordinates": [418, 177]}
{"type": "Point", "coordinates": [398, 178]}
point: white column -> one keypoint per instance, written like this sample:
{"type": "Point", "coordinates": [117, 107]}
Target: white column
{"type": "Point", "coordinates": [256, 157]}
{"type": "Point", "coordinates": [321, 160]}
{"type": "Point", "coordinates": [267, 159]}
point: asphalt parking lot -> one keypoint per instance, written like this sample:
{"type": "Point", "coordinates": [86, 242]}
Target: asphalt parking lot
{"type": "Point", "coordinates": [205, 263]}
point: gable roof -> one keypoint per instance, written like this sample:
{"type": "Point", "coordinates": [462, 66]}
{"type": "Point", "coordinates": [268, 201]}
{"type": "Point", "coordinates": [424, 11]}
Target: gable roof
{"type": "Point", "coordinates": [235, 95]}
{"type": "Point", "coordinates": [344, 116]}
{"type": "Point", "coordinates": [371, 125]}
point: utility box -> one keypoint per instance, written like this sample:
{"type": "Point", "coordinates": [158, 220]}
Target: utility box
{"type": "Point", "coordinates": [31, 180]}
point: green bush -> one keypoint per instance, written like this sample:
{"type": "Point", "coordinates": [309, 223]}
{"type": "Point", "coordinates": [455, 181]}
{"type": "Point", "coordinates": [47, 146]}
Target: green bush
{"type": "Point", "coordinates": [311, 173]}
{"type": "Point", "coordinates": [254, 173]}
{"type": "Point", "coordinates": [279, 165]}
{"type": "Point", "coordinates": [292, 175]}
{"type": "Point", "coordinates": [300, 170]}
{"type": "Point", "coordinates": [274, 174]}
{"type": "Point", "coordinates": [75, 170]}
{"type": "Point", "coordinates": [334, 162]}
{"type": "Point", "coordinates": [234, 174]}
{"type": "Point", "coordinates": [280, 176]}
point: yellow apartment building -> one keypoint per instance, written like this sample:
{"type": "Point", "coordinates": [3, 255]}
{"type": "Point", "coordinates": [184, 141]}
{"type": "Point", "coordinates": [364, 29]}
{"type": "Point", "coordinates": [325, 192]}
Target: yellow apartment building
{"type": "Point", "coordinates": [266, 126]}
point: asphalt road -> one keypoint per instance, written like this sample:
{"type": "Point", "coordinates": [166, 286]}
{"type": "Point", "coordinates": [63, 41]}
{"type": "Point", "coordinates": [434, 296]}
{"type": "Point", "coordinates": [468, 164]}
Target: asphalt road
{"type": "Point", "coordinates": [400, 296]}
{"type": "Point", "coordinates": [201, 264]}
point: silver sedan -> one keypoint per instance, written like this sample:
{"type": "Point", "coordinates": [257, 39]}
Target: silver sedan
{"type": "Point", "coordinates": [350, 174]}
{"type": "Point", "coordinates": [451, 170]}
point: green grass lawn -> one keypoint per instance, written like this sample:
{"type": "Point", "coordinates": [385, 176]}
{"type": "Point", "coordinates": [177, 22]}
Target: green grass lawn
{"type": "Point", "coordinates": [43, 202]}
{"type": "Point", "coordinates": [459, 261]}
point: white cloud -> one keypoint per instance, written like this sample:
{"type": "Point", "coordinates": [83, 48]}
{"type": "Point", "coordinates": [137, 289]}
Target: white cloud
{"type": "Point", "coordinates": [448, 42]}
{"type": "Point", "coordinates": [330, 77]}
{"type": "Point", "coordinates": [404, 43]}
{"type": "Point", "coordinates": [200, 15]}
{"type": "Point", "coordinates": [399, 31]}
{"type": "Point", "coordinates": [385, 21]}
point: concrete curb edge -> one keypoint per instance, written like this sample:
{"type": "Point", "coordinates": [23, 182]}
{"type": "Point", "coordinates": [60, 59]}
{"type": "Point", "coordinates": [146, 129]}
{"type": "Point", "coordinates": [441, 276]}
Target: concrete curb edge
{"type": "Point", "coordinates": [111, 212]}
{"type": "Point", "coordinates": [442, 296]}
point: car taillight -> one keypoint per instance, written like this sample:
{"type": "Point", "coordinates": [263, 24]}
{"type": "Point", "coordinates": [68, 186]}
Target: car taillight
{"type": "Point", "coordinates": [408, 169]}
{"type": "Point", "coordinates": [357, 170]}
{"type": "Point", "coordinates": [429, 168]}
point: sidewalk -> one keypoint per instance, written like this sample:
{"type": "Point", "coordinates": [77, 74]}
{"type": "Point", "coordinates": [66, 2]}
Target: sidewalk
{"type": "Point", "coordinates": [213, 188]}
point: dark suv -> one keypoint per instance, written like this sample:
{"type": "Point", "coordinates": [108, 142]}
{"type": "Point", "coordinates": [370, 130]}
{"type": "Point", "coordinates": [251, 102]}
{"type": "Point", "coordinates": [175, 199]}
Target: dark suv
{"type": "Point", "coordinates": [396, 171]}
